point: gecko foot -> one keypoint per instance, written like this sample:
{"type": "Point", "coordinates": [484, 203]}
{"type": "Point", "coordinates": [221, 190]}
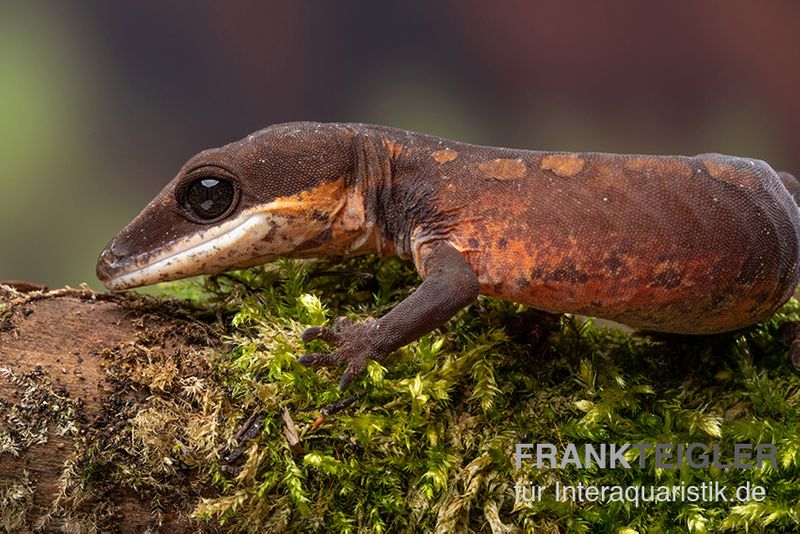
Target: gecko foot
{"type": "Point", "coordinates": [789, 332]}
{"type": "Point", "coordinates": [355, 343]}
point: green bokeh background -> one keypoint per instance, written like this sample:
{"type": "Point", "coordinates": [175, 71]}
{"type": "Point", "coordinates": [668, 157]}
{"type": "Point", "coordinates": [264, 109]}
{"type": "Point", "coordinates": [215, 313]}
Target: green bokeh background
{"type": "Point", "coordinates": [101, 102]}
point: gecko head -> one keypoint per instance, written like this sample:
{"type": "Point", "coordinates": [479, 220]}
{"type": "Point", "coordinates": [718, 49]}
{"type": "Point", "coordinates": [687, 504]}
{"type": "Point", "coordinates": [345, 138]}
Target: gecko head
{"type": "Point", "coordinates": [274, 193]}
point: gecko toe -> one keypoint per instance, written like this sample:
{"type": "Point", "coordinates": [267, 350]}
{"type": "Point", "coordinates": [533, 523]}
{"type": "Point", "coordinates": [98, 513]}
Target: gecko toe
{"type": "Point", "coordinates": [317, 359]}
{"type": "Point", "coordinates": [307, 359]}
{"type": "Point", "coordinates": [332, 336]}
{"type": "Point", "coordinates": [354, 369]}
{"type": "Point", "coordinates": [311, 333]}
{"type": "Point", "coordinates": [320, 332]}
{"type": "Point", "coordinates": [346, 380]}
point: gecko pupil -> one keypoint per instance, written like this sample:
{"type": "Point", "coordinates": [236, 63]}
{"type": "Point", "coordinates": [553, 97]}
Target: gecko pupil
{"type": "Point", "coordinates": [208, 198]}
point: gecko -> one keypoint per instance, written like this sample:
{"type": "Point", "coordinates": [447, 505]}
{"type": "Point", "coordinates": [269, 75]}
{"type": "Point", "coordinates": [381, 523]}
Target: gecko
{"type": "Point", "coordinates": [676, 244]}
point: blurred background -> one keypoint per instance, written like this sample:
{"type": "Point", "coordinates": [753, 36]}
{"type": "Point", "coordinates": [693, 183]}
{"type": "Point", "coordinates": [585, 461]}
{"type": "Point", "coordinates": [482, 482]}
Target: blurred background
{"type": "Point", "coordinates": [101, 102]}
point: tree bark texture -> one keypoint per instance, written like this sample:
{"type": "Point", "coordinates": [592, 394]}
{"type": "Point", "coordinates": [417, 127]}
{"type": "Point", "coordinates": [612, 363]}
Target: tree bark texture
{"type": "Point", "coordinates": [73, 375]}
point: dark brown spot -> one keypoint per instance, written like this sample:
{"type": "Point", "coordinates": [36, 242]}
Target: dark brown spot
{"type": "Point", "coordinates": [752, 270]}
{"type": "Point", "coordinates": [717, 270]}
{"type": "Point", "coordinates": [716, 302]}
{"type": "Point", "coordinates": [567, 273]}
{"type": "Point", "coordinates": [270, 235]}
{"type": "Point", "coordinates": [668, 278]}
{"type": "Point", "coordinates": [319, 216]}
{"type": "Point", "coordinates": [317, 241]}
{"type": "Point", "coordinates": [502, 242]}
{"type": "Point", "coordinates": [522, 282]}
{"type": "Point", "coordinates": [473, 243]}
{"type": "Point", "coordinates": [613, 264]}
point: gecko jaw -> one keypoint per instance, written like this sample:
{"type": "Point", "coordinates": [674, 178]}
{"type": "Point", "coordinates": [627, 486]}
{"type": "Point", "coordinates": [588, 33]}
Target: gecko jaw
{"type": "Point", "coordinates": [214, 250]}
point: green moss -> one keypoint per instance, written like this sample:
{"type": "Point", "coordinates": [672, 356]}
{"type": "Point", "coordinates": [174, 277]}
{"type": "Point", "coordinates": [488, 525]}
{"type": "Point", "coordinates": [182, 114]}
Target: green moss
{"type": "Point", "coordinates": [429, 442]}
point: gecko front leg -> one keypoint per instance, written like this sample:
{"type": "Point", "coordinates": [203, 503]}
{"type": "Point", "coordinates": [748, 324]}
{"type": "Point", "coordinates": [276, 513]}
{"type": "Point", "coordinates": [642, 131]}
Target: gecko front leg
{"type": "Point", "coordinates": [449, 285]}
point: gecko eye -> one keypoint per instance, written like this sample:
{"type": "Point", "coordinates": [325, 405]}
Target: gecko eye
{"type": "Point", "coordinates": [209, 198]}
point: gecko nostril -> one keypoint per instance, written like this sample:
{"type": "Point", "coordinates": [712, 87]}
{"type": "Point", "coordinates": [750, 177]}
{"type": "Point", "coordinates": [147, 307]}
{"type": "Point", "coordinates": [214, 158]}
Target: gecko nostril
{"type": "Point", "coordinates": [116, 251]}
{"type": "Point", "coordinates": [109, 258]}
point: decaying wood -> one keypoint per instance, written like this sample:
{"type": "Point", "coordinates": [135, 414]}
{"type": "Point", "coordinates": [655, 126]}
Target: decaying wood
{"type": "Point", "coordinates": [67, 383]}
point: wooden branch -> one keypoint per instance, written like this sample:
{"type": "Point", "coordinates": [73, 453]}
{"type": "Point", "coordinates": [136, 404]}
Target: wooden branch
{"type": "Point", "coordinates": [76, 367]}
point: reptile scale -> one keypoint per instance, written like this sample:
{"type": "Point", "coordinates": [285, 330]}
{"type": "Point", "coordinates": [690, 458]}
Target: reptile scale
{"type": "Point", "coordinates": [693, 245]}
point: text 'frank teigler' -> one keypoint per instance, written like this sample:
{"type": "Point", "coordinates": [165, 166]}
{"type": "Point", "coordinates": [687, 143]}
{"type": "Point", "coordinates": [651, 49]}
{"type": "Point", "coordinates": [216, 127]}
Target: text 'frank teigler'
{"type": "Point", "coordinates": [662, 455]}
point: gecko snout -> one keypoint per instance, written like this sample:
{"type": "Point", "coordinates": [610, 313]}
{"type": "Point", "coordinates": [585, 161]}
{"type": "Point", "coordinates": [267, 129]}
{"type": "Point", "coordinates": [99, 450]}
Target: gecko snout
{"type": "Point", "coordinates": [109, 259]}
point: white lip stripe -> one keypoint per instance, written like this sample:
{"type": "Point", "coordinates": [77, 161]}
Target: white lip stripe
{"type": "Point", "coordinates": [184, 259]}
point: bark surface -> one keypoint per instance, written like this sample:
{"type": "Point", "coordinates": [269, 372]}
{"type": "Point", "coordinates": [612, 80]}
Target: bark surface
{"type": "Point", "coordinates": [67, 386]}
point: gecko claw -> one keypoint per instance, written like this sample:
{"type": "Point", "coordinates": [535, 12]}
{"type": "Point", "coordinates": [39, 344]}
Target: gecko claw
{"type": "Point", "coordinates": [355, 368]}
{"type": "Point", "coordinates": [311, 333]}
{"type": "Point", "coordinates": [307, 359]}
{"type": "Point", "coordinates": [320, 332]}
{"type": "Point", "coordinates": [346, 380]}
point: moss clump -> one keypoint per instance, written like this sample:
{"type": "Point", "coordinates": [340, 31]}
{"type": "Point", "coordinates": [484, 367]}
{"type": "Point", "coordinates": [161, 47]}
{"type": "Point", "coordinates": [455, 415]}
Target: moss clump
{"type": "Point", "coordinates": [40, 407]}
{"type": "Point", "coordinates": [16, 501]}
{"type": "Point", "coordinates": [428, 443]}
{"type": "Point", "coordinates": [426, 440]}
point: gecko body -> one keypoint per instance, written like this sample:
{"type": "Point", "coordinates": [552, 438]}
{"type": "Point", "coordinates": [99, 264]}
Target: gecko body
{"type": "Point", "coordinates": [693, 245]}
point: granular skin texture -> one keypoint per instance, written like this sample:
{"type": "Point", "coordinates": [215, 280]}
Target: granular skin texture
{"type": "Point", "coordinates": [693, 245]}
